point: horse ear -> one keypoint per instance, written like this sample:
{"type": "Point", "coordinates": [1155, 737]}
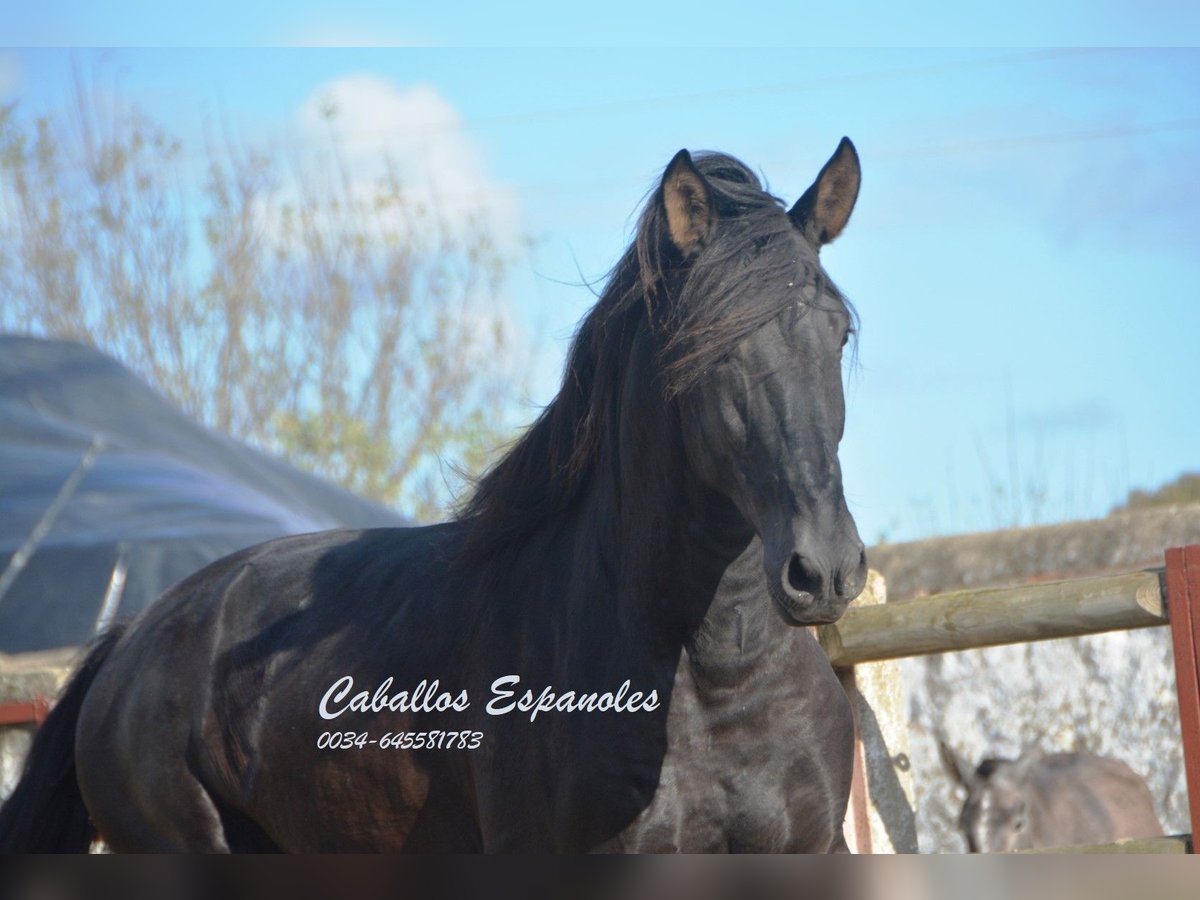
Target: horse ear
{"type": "Point", "coordinates": [959, 771]}
{"type": "Point", "coordinates": [825, 208]}
{"type": "Point", "coordinates": [688, 201]}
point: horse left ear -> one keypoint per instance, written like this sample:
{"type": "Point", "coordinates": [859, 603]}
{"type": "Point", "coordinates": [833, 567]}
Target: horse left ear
{"type": "Point", "coordinates": [823, 211]}
{"type": "Point", "coordinates": [689, 204]}
{"type": "Point", "coordinates": [956, 768]}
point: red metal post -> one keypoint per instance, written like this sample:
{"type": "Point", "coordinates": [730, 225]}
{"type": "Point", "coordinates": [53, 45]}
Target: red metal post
{"type": "Point", "coordinates": [857, 814]}
{"type": "Point", "coordinates": [25, 712]}
{"type": "Point", "coordinates": [41, 708]}
{"type": "Point", "coordinates": [1183, 609]}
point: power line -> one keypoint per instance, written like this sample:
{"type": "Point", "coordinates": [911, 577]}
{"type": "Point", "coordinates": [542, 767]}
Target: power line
{"type": "Point", "coordinates": [1031, 140]}
{"type": "Point", "coordinates": [806, 86]}
{"type": "Point", "coordinates": [967, 148]}
{"type": "Point", "coordinates": [353, 139]}
{"type": "Point", "coordinates": [1001, 144]}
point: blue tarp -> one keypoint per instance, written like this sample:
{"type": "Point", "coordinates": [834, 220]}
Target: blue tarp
{"type": "Point", "coordinates": [118, 494]}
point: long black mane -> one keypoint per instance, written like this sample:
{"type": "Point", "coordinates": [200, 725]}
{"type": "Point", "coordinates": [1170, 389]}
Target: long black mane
{"type": "Point", "coordinates": [751, 270]}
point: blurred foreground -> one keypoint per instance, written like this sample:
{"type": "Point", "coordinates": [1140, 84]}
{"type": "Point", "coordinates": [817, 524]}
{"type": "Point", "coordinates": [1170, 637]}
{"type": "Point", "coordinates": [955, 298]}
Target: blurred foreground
{"type": "Point", "coordinates": [688, 878]}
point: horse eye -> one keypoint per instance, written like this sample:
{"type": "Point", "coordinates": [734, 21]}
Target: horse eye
{"type": "Point", "coordinates": [845, 338]}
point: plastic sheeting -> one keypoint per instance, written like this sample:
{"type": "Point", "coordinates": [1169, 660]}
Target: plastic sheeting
{"type": "Point", "coordinates": [109, 494]}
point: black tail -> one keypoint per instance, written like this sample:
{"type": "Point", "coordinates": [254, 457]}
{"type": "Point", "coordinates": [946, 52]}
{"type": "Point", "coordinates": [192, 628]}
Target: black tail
{"type": "Point", "coordinates": [46, 813]}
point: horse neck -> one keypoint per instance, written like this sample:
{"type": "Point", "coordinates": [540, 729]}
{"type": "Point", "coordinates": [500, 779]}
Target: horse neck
{"type": "Point", "coordinates": [691, 573]}
{"type": "Point", "coordinates": [683, 557]}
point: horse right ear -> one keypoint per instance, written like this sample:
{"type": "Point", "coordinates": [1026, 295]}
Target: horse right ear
{"type": "Point", "coordinates": [688, 202]}
{"type": "Point", "coordinates": [822, 212]}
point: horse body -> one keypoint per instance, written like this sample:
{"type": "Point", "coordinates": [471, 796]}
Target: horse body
{"type": "Point", "coordinates": [690, 453]}
{"type": "Point", "coordinates": [263, 634]}
{"type": "Point", "coordinates": [1047, 800]}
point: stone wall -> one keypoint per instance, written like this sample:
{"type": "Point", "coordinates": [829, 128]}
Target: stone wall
{"type": "Point", "coordinates": [1112, 694]}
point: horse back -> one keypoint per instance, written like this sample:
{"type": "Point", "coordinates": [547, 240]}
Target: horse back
{"type": "Point", "coordinates": [1085, 798]}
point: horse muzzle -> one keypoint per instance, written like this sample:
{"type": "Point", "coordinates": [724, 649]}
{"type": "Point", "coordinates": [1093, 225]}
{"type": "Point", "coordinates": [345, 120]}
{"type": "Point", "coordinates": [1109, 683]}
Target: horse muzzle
{"type": "Point", "coordinates": [811, 587]}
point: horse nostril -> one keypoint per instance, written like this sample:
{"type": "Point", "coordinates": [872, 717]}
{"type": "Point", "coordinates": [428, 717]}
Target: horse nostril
{"type": "Point", "coordinates": [851, 584]}
{"type": "Point", "coordinates": [801, 577]}
{"type": "Point", "coordinates": [852, 579]}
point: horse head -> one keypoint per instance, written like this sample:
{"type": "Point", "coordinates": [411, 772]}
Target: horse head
{"type": "Point", "coordinates": [756, 335]}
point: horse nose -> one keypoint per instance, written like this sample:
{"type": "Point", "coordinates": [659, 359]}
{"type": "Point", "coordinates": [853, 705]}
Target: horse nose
{"type": "Point", "coordinates": [807, 577]}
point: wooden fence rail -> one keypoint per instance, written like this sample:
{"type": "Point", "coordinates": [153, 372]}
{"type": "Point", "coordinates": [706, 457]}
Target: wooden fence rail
{"type": "Point", "coordinates": [966, 620]}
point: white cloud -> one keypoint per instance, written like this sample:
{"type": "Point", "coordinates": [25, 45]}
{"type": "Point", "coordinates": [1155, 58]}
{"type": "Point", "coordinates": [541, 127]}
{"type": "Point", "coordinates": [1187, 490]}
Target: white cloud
{"type": "Point", "coordinates": [416, 134]}
{"type": "Point", "coordinates": [421, 134]}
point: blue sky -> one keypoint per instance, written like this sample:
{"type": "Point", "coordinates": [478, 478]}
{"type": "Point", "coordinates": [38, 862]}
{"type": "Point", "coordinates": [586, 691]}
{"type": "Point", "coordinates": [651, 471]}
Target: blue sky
{"type": "Point", "coordinates": [542, 23]}
{"type": "Point", "coordinates": [1023, 256]}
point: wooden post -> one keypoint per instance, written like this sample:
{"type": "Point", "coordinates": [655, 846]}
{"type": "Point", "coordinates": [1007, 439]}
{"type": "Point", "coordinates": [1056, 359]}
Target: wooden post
{"type": "Point", "coordinates": [882, 814]}
{"type": "Point", "coordinates": [1183, 607]}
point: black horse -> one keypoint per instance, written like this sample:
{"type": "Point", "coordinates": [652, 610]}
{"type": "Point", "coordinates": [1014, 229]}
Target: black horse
{"type": "Point", "coordinates": [638, 562]}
